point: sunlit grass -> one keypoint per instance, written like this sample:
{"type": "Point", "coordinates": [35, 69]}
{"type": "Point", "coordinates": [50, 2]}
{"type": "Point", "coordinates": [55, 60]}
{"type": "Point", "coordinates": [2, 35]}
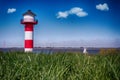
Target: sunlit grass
{"type": "Point", "coordinates": [59, 66]}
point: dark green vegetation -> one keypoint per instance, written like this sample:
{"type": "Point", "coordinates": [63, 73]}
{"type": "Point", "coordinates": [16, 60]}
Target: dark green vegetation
{"type": "Point", "coordinates": [59, 66]}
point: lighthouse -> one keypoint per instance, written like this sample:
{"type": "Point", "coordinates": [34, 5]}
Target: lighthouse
{"type": "Point", "coordinates": [29, 21]}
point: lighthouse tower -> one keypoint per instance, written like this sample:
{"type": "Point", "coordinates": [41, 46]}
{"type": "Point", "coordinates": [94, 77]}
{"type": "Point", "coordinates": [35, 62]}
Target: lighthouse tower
{"type": "Point", "coordinates": [29, 22]}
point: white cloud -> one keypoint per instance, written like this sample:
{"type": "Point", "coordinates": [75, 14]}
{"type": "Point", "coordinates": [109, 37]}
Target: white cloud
{"type": "Point", "coordinates": [62, 14]}
{"type": "Point", "coordinates": [11, 10]}
{"type": "Point", "coordinates": [102, 7]}
{"type": "Point", "coordinates": [76, 11]}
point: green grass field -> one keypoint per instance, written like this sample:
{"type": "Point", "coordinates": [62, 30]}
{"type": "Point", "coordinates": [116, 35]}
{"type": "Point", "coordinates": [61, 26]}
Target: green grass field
{"type": "Point", "coordinates": [59, 66]}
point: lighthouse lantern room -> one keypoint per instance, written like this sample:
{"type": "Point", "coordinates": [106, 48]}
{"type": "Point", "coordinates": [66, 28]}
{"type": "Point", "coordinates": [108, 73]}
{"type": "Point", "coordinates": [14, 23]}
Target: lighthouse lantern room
{"type": "Point", "coordinates": [29, 21]}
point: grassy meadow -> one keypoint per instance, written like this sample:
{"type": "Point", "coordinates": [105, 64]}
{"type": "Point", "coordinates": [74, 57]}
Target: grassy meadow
{"type": "Point", "coordinates": [59, 66]}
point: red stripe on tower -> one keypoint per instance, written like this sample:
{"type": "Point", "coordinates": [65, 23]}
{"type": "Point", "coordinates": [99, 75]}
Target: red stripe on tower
{"type": "Point", "coordinates": [29, 27]}
{"type": "Point", "coordinates": [29, 22]}
{"type": "Point", "coordinates": [28, 43]}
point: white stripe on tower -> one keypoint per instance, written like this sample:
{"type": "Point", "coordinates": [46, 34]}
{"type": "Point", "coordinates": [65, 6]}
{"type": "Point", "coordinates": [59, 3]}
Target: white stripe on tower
{"type": "Point", "coordinates": [28, 49]}
{"type": "Point", "coordinates": [28, 35]}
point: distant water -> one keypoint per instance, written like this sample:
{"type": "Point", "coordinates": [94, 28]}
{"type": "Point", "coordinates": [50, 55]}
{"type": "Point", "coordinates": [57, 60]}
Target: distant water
{"type": "Point", "coordinates": [54, 50]}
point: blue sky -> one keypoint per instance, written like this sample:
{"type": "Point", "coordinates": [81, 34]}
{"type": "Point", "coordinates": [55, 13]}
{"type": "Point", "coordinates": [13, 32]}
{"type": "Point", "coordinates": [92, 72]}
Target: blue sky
{"type": "Point", "coordinates": [62, 23]}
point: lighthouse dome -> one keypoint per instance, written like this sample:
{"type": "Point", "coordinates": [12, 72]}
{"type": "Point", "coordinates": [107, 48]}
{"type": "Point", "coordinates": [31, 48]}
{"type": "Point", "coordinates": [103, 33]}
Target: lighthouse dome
{"type": "Point", "coordinates": [29, 16]}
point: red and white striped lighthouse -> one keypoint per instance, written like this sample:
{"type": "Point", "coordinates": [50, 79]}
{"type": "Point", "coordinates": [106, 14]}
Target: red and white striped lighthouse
{"type": "Point", "coordinates": [29, 22]}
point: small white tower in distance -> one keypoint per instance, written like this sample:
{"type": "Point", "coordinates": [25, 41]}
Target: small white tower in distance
{"type": "Point", "coordinates": [85, 50]}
